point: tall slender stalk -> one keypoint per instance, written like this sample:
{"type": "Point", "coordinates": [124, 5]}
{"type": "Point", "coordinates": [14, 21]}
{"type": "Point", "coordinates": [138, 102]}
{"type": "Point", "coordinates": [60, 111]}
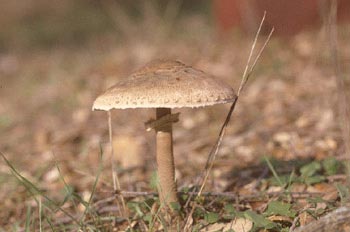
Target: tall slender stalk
{"type": "Point", "coordinates": [116, 183]}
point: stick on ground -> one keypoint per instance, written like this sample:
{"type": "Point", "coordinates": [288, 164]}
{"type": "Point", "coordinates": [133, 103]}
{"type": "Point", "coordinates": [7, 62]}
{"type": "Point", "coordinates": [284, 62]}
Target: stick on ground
{"type": "Point", "coordinates": [338, 220]}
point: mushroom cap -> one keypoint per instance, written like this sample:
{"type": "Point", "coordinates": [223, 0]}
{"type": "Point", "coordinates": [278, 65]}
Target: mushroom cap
{"type": "Point", "coordinates": [165, 84]}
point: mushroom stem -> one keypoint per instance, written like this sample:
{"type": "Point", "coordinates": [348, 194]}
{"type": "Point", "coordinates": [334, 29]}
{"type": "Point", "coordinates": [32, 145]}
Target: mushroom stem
{"type": "Point", "coordinates": [165, 160]}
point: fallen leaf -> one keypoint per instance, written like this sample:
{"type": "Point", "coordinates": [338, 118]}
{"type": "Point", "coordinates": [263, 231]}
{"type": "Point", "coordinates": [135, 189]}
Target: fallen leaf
{"type": "Point", "coordinates": [305, 218]}
{"type": "Point", "coordinates": [281, 219]}
{"type": "Point", "coordinates": [237, 225]}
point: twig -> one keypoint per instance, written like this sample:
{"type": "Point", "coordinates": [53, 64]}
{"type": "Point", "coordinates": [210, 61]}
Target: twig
{"type": "Point", "coordinates": [230, 195]}
{"type": "Point", "coordinates": [294, 223]}
{"type": "Point", "coordinates": [337, 177]}
{"type": "Point", "coordinates": [338, 220]}
{"type": "Point", "coordinates": [300, 195]}
{"type": "Point", "coordinates": [189, 219]}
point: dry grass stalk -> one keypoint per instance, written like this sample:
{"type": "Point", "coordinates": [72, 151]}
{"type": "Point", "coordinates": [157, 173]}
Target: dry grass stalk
{"type": "Point", "coordinates": [116, 183]}
{"type": "Point", "coordinates": [245, 78]}
{"type": "Point", "coordinates": [247, 73]}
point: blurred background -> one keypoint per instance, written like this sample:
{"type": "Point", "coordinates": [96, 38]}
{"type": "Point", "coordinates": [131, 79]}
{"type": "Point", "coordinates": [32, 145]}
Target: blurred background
{"type": "Point", "coordinates": [57, 56]}
{"type": "Point", "coordinates": [288, 17]}
{"type": "Point", "coordinates": [38, 23]}
{"type": "Point", "coordinates": [35, 23]}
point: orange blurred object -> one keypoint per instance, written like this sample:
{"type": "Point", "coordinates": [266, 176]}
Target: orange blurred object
{"type": "Point", "coordinates": [287, 16]}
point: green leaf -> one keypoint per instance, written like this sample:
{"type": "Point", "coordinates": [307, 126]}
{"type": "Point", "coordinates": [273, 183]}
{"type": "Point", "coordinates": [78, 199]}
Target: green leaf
{"type": "Point", "coordinates": [230, 209]}
{"type": "Point", "coordinates": [314, 179]}
{"type": "Point", "coordinates": [175, 206]}
{"type": "Point", "coordinates": [211, 217]}
{"type": "Point", "coordinates": [198, 212]}
{"type": "Point", "coordinates": [135, 206]}
{"type": "Point", "coordinates": [344, 192]}
{"type": "Point", "coordinates": [310, 169]}
{"type": "Point", "coordinates": [280, 208]}
{"type": "Point", "coordinates": [259, 220]}
{"type": "Point", "coordinates": [185, 189]}
{"type": "Point", "coordinates": [331, 166]}
{"type": "Point", "coordinates": [230, 212]}
{"type": "Point", "coordinates": [148, 217]}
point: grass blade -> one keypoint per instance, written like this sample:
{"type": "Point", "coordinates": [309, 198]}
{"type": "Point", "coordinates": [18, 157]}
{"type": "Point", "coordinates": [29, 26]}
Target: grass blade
{"type": "Point", "coordinates": [28, 217]}
{"type": "Point", "coordinates": [272, 169]}
{"type": "Point", "coordinates": [99, 171]}
{"type": "Point", "coordinates": [30, 187]}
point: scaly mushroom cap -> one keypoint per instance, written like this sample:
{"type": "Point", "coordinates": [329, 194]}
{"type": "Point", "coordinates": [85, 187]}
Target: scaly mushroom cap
{"type": "Point", "coordinates": [165, 84]}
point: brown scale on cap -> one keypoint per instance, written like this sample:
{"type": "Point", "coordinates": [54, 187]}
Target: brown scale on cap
{"type": "Point", "coordinates": [165, 84]}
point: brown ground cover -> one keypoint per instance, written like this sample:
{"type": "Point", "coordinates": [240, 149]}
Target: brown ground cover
{"type": "Point", "coordinates": [287, 113]}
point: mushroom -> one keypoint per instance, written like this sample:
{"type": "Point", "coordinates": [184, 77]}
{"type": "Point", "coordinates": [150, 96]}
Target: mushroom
{"type": "Point", "coordinates": [164, 85]}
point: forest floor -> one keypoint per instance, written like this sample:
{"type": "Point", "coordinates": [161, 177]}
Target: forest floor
{"type": "Point", "coordinates": [282, 161]}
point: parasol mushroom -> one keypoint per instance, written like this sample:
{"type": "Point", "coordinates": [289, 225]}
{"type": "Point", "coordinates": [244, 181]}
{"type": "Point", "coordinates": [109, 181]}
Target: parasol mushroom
{"type": "Point", "coordinates": [164, 85]}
